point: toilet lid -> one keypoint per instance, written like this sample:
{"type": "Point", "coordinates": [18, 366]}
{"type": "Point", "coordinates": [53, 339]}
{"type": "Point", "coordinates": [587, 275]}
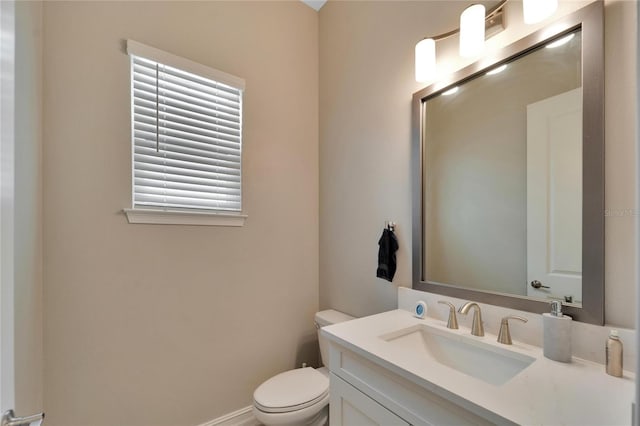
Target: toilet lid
{"type": "Point", "coordinates": [291, 390]}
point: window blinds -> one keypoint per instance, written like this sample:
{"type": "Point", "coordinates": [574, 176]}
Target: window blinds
{"type": "Point", "coordinates": [187, 133]}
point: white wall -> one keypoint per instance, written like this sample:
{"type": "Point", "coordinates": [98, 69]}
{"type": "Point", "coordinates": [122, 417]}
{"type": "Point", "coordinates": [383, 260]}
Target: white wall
{"type": "Point", "coordinates": [28, 209]}
{"type": "Point", "coordinates": [366, 83]}
{"type": "Point", "coordinates": [637, 206]}
{"type": "Point", "coordinates": [151, 325]}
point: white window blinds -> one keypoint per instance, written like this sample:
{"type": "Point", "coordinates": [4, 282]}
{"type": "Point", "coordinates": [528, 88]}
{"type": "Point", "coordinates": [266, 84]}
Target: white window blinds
{"type": "Point", "coordinates": [187, 133]}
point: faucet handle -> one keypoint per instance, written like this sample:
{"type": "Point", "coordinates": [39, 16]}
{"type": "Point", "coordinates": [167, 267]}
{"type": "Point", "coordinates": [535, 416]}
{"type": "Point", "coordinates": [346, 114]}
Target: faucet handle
{"type": "Point", "coordinates": [452, 322]}
{"type": "Point", "coordinates": [504, 335]}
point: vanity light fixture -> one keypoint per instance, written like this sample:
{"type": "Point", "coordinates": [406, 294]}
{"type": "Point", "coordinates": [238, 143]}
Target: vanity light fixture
{"type": "Point", "coordinates": [560, 42]}
{"type": "Point", "coordinates": [497, 70]}
{"type": "Point", "coordinates": [473, 32]}
{"type": "Point", "coordinates": [425, 60]}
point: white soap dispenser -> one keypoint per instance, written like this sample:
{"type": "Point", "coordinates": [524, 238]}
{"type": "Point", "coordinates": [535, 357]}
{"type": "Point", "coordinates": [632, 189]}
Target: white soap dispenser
{"type": "Point", "coordinates": [557, 334]}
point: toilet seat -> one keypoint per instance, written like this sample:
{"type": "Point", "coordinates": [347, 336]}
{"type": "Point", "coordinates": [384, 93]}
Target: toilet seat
{"type": "Point", "coordinates": [315, 415]}
{"type": "Point", "coordinates": [292, 391]}
{"type": "Point", "coordinates": [290, 407]}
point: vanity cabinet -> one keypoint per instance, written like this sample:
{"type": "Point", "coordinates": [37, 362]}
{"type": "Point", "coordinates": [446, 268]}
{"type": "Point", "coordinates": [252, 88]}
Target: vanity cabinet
{"type": "Point", "coordinates": [425, 374]}
{"type": "Point", "coordinates": [363, 393]}
{"type": "Point", "coordinates": [349, 406]}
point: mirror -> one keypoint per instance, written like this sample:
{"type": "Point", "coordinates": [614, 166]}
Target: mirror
{"type": "Point", "coordinates": [509, 202]}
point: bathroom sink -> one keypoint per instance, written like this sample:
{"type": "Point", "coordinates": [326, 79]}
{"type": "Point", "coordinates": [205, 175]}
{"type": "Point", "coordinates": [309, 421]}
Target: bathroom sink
{"type": "Point", "coordinates": [466, 354]}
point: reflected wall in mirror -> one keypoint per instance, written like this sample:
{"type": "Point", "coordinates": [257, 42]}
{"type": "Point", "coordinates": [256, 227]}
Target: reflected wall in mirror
{"type": "Point", "coordinates": [503, 177]}
{"type": "Point", "coordinates": [508, 165]}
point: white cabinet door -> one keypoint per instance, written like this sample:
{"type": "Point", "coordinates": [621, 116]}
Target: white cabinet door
{"type": "Point", "coordinates": [350, 407]}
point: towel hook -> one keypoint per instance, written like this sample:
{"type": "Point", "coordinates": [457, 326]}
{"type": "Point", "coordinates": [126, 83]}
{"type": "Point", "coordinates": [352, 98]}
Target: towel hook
{"type": "Point", "coordinates": [391, 226]}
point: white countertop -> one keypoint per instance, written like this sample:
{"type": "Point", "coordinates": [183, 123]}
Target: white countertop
{"type": "Point", "coordinates": [545, 393]}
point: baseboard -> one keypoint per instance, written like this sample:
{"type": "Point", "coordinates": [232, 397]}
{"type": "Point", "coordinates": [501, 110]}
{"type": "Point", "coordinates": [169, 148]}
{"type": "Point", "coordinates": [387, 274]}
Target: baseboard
{"type": "Point", "coordinates": [241, 417]}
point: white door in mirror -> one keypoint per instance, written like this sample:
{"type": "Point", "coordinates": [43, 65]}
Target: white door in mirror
{"type": "Point", "coordinates": [554, 197]}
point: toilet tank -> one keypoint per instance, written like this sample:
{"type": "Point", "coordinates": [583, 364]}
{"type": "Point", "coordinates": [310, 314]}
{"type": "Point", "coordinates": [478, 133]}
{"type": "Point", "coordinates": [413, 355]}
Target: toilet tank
{"type": "Point", "coordinates": [322, 319]}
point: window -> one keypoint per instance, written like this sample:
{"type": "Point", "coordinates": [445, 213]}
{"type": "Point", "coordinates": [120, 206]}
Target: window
{"type": "Point", "coordinates": [186, 140]}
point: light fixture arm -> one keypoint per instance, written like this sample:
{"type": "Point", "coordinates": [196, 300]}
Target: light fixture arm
{"type": "Point", "coordinates": [489, 19]}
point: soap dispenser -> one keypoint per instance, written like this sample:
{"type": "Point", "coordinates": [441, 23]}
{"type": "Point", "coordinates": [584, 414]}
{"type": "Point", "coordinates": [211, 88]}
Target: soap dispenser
{"type": "Point", "coordinates": [557, 334]}
{"type": "Point", "coordinates": [614, 354]}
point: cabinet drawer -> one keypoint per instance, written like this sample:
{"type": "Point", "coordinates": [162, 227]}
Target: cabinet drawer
{"type": "Point", "coordinates": [351, 407]}
{"type": "Point", "coordinates": [415, 404]}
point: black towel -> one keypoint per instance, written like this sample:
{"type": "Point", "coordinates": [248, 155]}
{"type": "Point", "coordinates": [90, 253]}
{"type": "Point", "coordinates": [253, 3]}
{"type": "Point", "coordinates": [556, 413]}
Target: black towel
{"type": "Point", "coordinates": [387, 255]}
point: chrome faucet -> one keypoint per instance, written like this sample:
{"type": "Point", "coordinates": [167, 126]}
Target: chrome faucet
{"type": "Point", "coordinates": [476, 327]}
{"type": "Point", "coordinates": [504, 336]}
{"type": "Point", "coordinates": [453, 320]}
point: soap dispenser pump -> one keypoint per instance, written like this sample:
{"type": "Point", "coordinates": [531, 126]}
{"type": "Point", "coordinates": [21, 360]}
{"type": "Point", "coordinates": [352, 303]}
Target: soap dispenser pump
{"type": "Point", "coordinates": [557, 334]}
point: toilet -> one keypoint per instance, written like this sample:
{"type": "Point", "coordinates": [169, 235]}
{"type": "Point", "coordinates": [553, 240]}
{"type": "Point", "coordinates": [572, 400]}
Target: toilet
{"type": "Point", "coordinates": [299, 397]}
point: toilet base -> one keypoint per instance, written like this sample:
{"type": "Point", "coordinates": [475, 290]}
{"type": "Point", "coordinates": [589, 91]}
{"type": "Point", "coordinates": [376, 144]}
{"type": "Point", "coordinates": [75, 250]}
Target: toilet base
{"type": "Point", "coordinates": [269, 419]}
{"type": "Point", "coordinates": [322, 419]}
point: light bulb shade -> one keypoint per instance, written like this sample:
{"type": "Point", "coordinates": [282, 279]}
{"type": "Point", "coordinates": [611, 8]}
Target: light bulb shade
{"type": "Point", "coordinates": [472, 31]}
{"type": "Point", "coordinates": [425, 60]}
{"type": "Point", "coordinates": [538, 10]}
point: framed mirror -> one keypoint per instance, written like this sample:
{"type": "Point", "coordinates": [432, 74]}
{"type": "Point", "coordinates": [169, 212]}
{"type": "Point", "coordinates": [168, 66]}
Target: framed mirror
{"type": "Point", "coordinates": [508, 174]}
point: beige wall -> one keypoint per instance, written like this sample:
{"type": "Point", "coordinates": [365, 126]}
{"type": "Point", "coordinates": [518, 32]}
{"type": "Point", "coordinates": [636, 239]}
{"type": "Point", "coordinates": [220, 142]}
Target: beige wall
{"type": "Point", "coordinates": [157, 325]}
{"type": "Point", "coordinates": [147, 325]}
{"type": "Point", "coordinates": [620, 161]}
{"type": "Point", "coordinates": [366, 83]}
{"type": "Point", "coordinates": [28, 209]}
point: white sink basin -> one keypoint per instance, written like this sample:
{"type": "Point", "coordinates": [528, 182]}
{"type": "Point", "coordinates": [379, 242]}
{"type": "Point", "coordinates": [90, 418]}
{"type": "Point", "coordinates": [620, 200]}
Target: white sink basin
{"type": "Point", "coordinates": [466, 354]}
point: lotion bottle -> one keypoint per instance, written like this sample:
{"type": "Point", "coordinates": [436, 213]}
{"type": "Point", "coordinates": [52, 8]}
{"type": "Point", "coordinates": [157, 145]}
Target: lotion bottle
{"type": "Point", "coordinates": [557, 334]}
{"type": "Point", "coordinates": [614, 354]}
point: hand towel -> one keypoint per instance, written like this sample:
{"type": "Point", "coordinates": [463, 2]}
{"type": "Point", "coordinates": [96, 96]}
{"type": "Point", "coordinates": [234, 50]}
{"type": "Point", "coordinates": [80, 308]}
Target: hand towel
{"type": "Point", "coordinates": [388, 245]}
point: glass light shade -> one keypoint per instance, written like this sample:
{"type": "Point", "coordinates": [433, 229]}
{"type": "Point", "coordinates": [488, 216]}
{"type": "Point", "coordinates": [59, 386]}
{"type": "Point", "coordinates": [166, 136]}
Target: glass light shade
{"type": "Point", "coordinates": [538, 10]}
{"type": "Point", "coordinates": [472, 31]}
{"type": "Point", "coordinates": [425, 60]}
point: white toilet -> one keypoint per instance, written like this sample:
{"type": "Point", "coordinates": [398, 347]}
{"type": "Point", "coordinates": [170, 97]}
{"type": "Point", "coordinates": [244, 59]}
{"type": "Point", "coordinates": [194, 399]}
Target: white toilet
{"type": "Point", "coordinates": [299, 397]}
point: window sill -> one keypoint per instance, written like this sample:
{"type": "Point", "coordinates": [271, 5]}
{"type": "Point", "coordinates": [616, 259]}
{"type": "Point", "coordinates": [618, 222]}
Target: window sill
{"type": "Point", "coordinates": [174, 217]}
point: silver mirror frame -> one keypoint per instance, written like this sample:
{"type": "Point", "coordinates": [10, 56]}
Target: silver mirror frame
{"type": "Point", "coordinates": [591, 20]}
